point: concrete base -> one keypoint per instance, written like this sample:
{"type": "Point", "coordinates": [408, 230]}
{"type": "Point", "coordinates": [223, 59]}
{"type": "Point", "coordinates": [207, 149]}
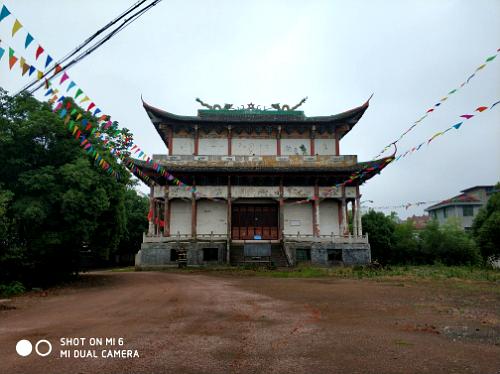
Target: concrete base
{"type": "Point", "coordinates": [329, 254]}
{"type": "Point", "coordinates": [159, 255]}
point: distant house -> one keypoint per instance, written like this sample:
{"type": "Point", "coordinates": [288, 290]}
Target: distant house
{"type": "Point", "coordinates": [464, 207]}
{"type": "Point", "coordinates": [419, 222]}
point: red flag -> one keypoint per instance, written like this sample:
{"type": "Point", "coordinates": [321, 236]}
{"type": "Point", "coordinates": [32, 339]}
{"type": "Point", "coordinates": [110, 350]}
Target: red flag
{"type": "Point", "coordinates": [39, 51]}
{"type": "Point", "coordinates": [90, 106]}
{"type": "Point", "coordinates": [57, 69]}
{"type": "Point", "coordinates": [481, 108]}
{"type": "Point", "coordinates": [430, 110]}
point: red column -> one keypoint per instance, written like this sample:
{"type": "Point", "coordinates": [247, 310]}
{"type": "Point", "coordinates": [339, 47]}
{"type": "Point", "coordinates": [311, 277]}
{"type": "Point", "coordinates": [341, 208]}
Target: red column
{"type": "Point", "coordinates": [315, 209]}
{"type": "Point", "coordinates": [278, 142]}
{"type": "Point", "coordinates": [312, 143]}
{"type": "Point", "coordinates": [196, 140]}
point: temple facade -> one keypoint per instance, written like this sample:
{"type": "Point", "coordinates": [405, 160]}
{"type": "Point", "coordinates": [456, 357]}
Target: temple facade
{"type": "Point", "coordinates": [270, 186]}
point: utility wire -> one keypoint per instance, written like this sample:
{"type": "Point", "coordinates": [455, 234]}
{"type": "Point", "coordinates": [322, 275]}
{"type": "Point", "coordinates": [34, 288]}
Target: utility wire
{"type": "Point", "coordinates": [126, 22]}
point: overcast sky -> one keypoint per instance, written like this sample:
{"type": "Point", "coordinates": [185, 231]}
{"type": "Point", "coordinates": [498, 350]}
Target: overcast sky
{"type": "Point", "coordinates": [408, 53]}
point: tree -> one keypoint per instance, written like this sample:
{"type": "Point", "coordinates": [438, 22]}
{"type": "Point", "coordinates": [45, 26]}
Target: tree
{"type": "Point", "coordinates": [380, 229]}
{"type": "Point", "coordinates": [448, 244]}
{"type": "Point", "coordinates": [55, 202]}
{"type": "Point", "coordinates": [486, 226]}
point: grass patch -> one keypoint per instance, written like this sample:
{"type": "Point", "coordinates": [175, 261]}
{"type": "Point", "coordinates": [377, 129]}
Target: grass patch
{"type": "Point", "coordinates": [429, 272]}
{"type": "Point", "coordinates": [11, 289]}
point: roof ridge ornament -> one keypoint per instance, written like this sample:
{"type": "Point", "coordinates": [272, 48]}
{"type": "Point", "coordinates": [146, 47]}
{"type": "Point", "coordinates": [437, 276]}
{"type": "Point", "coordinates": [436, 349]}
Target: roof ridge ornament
{"type": "Point", "coordinates": [252, 106]}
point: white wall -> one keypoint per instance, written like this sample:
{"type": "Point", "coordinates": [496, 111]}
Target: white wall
{"type": "Point", "coordinates": [212, 146]}
{"type": "Point", "coordinates": [325, 147]}
{"type": "Point", "coordinates": [249, 147]}
{"type": "Point", "coordinates": [298, 218]}
{"type": "Point", "coordinates": [211, 216]}
{"type": "Point", "coordinates": [182, 146]}
{"type": "Point", "coordinates": [329, 217]}
{"type": "Point", "coordinates": [300, 147]}
{"type": "Point", "coordinates": [180, 217]}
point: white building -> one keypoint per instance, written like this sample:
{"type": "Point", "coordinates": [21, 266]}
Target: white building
{"type": "Point", "coordinates": [270, 186]}
{"type": "Point", "coordinates": [463, 207]}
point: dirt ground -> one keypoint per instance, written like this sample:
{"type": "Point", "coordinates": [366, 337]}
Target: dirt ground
{"type": "Point", "coordinates": [201, 323]}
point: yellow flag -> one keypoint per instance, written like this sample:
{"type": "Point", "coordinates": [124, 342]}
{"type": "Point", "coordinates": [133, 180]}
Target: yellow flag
{"type": "Point", "coordinates": [22, 62]}
{"type": "Point", "coordinates": [482, 66]}
{"type": "Point", "coordinates": [78, 116]}
{"type": "Point", "coordinates": [86, 98]}
{"type": "Point", "coordinates": [39, 74]}
{"type": "Point", "coordinates": [16, 27]}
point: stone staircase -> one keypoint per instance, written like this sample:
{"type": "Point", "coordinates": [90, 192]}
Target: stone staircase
{"type": "Point", "coordinates": [277, 256]}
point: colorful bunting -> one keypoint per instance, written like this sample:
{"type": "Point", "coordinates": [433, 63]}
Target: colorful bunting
{"type": "Point", "coordinates": [467, 116]}
{"type": "Point", "coordinates": [457, 126]}
{"type": "Point", "coordinates": [12, 58]}
{"type": "Point", "coordinates": [48, 61]}
{"type": "Point", "coordinates": [39, 51]}
{"type": "Point", "coordinates": [64, 77]}
{"type": "Point", "coordinates": [78, 93]}
{"type": "Point", "coordinates": [17, 26]}
{"type": "Point", "coordinates": [32, 70]}
{"type": "Point", "coordinates": [29, 39]}
{"type": "Point", "coordinates": [39, 74]}
{"type": "Point", "coordinates": [70, 86]}
{"type": "Point", "coordinates": [2, 51]}
{"type": "Point", "coordinates": [481, 109]}
{"type": "Point", "coordinates": [489, 59]}
{"type": "Point", "coordinates": [4, 13]}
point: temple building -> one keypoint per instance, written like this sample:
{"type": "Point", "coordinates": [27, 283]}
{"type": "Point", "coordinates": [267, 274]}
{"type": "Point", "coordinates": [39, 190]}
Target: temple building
{"type": "Point", "coordinates": [269, 185]}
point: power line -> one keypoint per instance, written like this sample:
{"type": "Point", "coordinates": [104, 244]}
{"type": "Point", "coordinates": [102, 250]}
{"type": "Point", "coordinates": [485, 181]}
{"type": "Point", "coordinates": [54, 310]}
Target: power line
{"type": "Point", "coordinates": [35, 85]}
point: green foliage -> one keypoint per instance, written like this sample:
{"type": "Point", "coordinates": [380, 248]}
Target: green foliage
{"type": "Point", "coordinates": [486, 226]}
{"type": "Point", "coordinates": [381, 234]}
{"type": "Point", "coordinates": [393, 243]}
{"type": "Point", "coordinates": [448, 244]}
{"type": "Point", "coordinates": [11, 289]}
{"type": "Point", "coordinates": [55, 203]}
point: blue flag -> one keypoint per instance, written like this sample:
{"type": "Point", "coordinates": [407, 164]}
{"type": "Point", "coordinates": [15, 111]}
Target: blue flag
{"type": "Point", "coordinates": [4, 13]}
{"type": "Point", "coordinates": [28, 41]}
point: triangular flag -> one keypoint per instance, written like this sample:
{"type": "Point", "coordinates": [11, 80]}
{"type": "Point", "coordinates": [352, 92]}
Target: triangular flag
{"type": "Point", "coordinates": [48, 61]}
{"type": "Point", "coordinates": [25, 68]}
{"type": "Point", "coordinates": [481, 109]}
{"type": "Point", "coordinates": [4, 13]}
{"type": "Point", "coordinates": [28, 41]}
{"type": "Point", "coordinates": [467, 116]}
{"type": "Point", "coordinates": [78, 93]}
{"type": "Point", "coordinates": [22, 62]}
{"type": "Point", "coordinates": [32, 70]}
{"type": "Point", "coordinates": [86, 98]}
{"type": "Point", "coordinates": [468, 79]}
{"type": "Point", "coordinates": [2, 51]}
{"type": "Point", "coordinates": [430, 110]}
{"type": "Point", "coordinates": [70, 86]}
{"type": "Point", "coordinates": [79, 116]}
{"type": "Point", "coordinates": [91, 105]}
{"type": "Point", "coordinates": [434, 136]}
{"type": "Point", "coordinates": [457, 126]}
{"type": "Point", "coordinates": [64, 77]}
{"type": "Point", "coordinates": [39, 74]}
{"type": "Point", "coordinates": [452, 91]}
{"type": "Point", "coordinates": [97, 111]}
{"type": "Point", "coordinates": [444, 98]}
{"type": "Point", "coordinates": [39, 51]}
{"type": "Point", "coordinates": [12, 58]}
{"type": "Point", "coordinates": [491, 58]}
{"type": "Point", "coordinates": [16, 27]}
{"type": "Point", "coordinates": [58, 69]}
{"type": "Point", "coordinates": [480, 67]}
{"type": "Point", "coordinates": [49, 91]}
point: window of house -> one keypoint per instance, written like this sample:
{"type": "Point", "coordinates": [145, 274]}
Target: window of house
{"type": "Point", "coordinates": [303, 254]}
{"type": "Point", "coordinates": [335, 255]}
{"type": "Point", "coordinates": [468, 211]}
{"type": "Point", "coordinates": [210, 254]}
{"type": "Point", "coordinates": [173, 255]}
